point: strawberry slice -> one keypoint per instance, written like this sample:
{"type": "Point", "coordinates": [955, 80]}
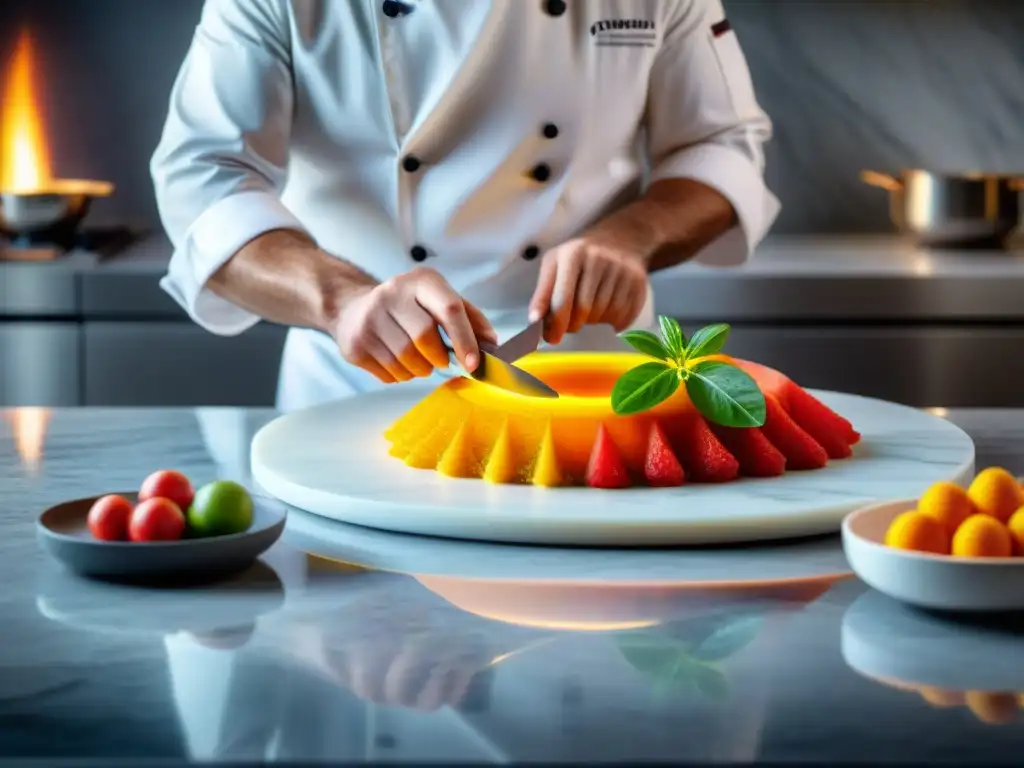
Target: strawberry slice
{"type": "Point", "coordinates": [702, 454]}
{"type": "Point", "coordinates": [661, 467]}
{"type": "Point", "coordinates": [606, 469]}
{"type": "Point", "coordinates": [755, 453]}
{"type": "Point", "coordinates": [800, 449]}
{"type": "Point", "coordinates": [835, 433]}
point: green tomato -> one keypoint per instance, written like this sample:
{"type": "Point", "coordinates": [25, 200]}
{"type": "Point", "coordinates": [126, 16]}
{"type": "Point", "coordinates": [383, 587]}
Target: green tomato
{"type": "Point", "coordinates": [220, 508]}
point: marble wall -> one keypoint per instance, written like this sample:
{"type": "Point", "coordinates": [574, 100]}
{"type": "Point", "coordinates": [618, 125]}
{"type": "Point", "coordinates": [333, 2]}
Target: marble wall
{"type": "Point", "coordinates": [881, 84]}
{"type": "Point", "coordinates": [849, 83]}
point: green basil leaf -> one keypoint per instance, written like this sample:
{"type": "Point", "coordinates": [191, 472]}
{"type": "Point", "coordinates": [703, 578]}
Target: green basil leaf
{"type": "Point", "coordinates": [726, 395]}
{"type": "Point", "coordinates": [670, 668]}
{"type": "Point", "coordinates": [708, 340]}
{"type": "Point", "coordinates": [643, 387]}
{"type": "Point", "coordinates": [710, 682]}
{"type": "Point", "coordinates": [646, 343]}
{"type": "Point", "coordinates": [675, 339]}
{"type": "Point", "coordinates": [658, 662]}
{"type": "Point", "coordinates": [709, 636]}
{"type": "Point", "coordinates": [732, 636]}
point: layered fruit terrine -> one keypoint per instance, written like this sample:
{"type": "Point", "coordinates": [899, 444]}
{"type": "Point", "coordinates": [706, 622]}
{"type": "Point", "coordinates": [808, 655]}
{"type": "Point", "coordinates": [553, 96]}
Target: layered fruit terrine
{"type": "Point", "coordinates": [470, 430]}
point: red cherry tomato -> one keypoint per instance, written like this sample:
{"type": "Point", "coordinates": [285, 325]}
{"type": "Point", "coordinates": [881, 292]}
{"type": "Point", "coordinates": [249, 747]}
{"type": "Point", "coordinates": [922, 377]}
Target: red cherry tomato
{"type": "Point", "coordinates": [108, 518]}
{"type": "Point", "coordinates": [156, 520]}
{"type": "Point", "coordinates": [168, 484]}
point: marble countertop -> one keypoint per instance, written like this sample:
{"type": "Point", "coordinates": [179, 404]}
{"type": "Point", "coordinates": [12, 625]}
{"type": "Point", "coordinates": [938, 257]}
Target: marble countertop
{"type": "Point", "coordinates": [790, 277]}
{"type": "Point", "coordinates": [362, 647]}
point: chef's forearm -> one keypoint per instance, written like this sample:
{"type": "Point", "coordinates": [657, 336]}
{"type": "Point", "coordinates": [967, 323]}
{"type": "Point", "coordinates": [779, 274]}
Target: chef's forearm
{"type": "Point", "coordinates": [284, 277]}
{"type": "Point", "coordinates": [671, 223]}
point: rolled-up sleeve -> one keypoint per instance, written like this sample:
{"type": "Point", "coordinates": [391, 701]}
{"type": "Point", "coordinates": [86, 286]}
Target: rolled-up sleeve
{"type": "Point", "coordinates": [221, 162]}
{"type": "Point", "coordinates": [704, 123]}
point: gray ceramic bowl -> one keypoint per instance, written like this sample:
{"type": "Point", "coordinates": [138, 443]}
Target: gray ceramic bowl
{"type": "Point", "coordinates": [110, 607]}
{"type": "Point", "coordinates": [64, 534]}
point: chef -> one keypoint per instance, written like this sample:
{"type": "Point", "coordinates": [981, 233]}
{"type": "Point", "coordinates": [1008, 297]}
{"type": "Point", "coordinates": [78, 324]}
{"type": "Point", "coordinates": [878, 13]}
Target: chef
{"type": "Point", "coordinates": [372, 172]}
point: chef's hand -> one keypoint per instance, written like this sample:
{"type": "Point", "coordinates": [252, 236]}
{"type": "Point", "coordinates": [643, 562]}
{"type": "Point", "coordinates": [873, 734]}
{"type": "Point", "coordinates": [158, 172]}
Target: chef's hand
{"type": "Point", "coordinates": [424, 673]}
{"type": "Point", "coordinates": [587, 281]}
{"type": "Point", "coordinates": [391, 329]}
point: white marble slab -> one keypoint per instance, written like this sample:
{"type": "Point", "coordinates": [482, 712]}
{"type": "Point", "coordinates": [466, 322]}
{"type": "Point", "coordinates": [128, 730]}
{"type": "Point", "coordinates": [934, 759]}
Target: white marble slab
{"type": "Point", "coordinates": [332, 461]}
{"type": "Point", "coordinates": [760, 563]}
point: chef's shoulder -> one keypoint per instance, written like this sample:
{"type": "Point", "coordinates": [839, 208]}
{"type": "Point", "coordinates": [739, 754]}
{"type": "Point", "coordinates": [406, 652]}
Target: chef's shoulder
{"type": "Point", "coordinates": [254, 19]}
{"type": "Point", "coordinates": [307, 20]}
{"type": "Point", "coordinates": [688, 16]}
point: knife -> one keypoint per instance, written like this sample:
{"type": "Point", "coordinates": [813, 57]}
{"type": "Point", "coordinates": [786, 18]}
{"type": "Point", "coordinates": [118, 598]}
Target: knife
{"type": "Point", "coordinates": [523, 343]}
{"type": "Point", "coordinates": [500, 373]}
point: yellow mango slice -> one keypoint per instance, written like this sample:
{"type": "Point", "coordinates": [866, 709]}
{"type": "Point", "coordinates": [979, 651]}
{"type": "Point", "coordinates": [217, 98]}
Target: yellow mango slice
{"type": "Point", "coordinates": [428, 451]}
{"type": "Point", "coordinates": [546, 471]}
{"type": "Point", "coordinates": [459, 459]}
{"type": "Point", "coordinates": [502, 466]}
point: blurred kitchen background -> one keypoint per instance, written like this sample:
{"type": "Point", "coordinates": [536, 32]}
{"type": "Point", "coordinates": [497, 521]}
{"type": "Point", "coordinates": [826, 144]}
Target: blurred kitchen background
{"type": "Point", "coordinates": [836, 297]}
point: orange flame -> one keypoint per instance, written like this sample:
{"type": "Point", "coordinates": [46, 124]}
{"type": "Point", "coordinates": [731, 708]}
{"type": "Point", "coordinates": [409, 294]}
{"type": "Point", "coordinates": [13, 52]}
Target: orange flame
{"type": "Point", "coordinates": [29, 426]}
{"type": "Point", "coordinates": [24, 153]}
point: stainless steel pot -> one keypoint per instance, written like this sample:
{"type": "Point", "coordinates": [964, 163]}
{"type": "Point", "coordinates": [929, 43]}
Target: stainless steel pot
{"type": "Point", "coordinates": [953, 210]}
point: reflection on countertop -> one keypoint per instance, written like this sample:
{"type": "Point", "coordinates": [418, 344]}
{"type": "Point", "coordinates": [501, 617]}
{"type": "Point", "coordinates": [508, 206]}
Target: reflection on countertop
{"type": "Point", "coordinates": [361, 646]}
{"type": "Point", "coordinates": [975, 662]}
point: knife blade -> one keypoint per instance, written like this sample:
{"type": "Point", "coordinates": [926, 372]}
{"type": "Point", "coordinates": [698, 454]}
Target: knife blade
{"type": "Point", "coordinates": [503, 374]}
{"type": "Point", "coordinates": [523, 343]}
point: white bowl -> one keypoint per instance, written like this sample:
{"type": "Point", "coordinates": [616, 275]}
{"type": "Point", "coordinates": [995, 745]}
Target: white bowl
{"type": "Point", "coordinates": [931, 581]}
{"type": "Point", "coordinates": [904, 647]}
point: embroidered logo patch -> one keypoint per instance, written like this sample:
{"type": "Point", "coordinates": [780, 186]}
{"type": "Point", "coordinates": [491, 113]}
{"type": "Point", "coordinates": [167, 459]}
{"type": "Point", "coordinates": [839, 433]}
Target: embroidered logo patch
{"type": "Point", "coordinates": [624, 33]}
{"type": "Point", "coordinates": [720, 28]}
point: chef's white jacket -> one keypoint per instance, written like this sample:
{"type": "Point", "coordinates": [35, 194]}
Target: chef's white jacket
{"type": "Point", "coordinates": [465, 135]}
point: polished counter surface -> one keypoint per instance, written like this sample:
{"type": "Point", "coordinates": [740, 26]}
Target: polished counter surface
{"type": "Point", "coordinates": [789, 278]}
{"type": "Point", "coordinates": [351, 645]}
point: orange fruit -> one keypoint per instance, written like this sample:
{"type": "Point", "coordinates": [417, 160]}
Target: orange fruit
{"type": "Point", "coordinates": [982, 536]}
{"type": "Point", "coordinates": [948, 503]}
{"type": "Point", "coordinates": [896, 684]}
{"type": "Point", "coordinates": [940, 697]}
{"type": "Point", "coordinates": [917, 531]}
{"type": "Point", "coordinates": [997, 493]}
{"type": "Point", "coordinates": [1016, 529]}
{"type": "Point", "coordinates": [993, 708]}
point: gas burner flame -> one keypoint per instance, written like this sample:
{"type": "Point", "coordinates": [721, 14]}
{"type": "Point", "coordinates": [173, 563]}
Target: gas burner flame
{"type": "Point", "coordinates": [24, 153]}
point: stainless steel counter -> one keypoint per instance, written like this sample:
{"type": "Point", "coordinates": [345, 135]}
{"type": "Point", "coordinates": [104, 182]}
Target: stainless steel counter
{"type": "Point", "coordinates": [613, 655]}
{"type": "Point", "coordinates": [84, 331]}
{"type": "Point", "coordinates": [789, 278]}
{"type": "Point", "coordinates": [871, 315]}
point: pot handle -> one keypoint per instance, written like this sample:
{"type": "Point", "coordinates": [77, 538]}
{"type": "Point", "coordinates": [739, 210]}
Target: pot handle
{"type": "Point", "coordinates": [883, 180]}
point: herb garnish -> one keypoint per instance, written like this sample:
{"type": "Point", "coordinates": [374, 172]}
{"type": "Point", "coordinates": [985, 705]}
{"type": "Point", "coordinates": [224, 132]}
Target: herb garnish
{"type": "Point", "coordinates": [686, 655]}
{"type": "Point", "coordinates": [723, 393]}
